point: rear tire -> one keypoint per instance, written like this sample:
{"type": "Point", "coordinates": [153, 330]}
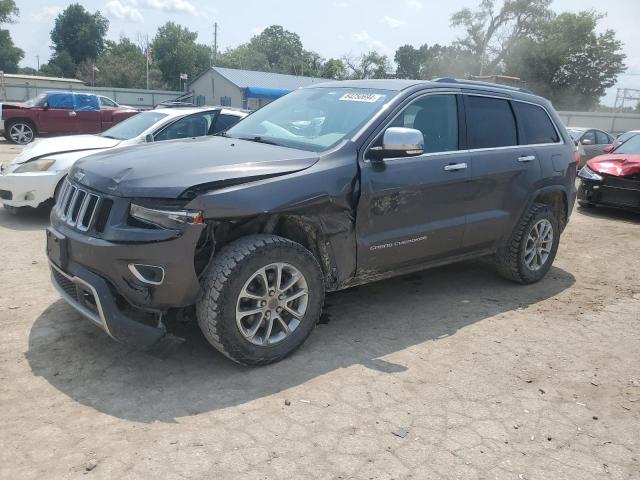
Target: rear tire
{"type": "Point", "coordinates": [532, 247]}
{"type": "Point", "coordinates": [20, 132]}
{"type": "Point", "coordinates": [251, 274]}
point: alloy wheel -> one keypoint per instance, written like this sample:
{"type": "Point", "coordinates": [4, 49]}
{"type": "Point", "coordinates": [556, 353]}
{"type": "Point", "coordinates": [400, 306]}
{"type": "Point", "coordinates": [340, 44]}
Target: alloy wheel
{"type": "Point", "coordinates": [539, 244]}
{"type": "Point", "coordinates": [272, 304]}
{"type": "Point", "coordinates": [21, 133]}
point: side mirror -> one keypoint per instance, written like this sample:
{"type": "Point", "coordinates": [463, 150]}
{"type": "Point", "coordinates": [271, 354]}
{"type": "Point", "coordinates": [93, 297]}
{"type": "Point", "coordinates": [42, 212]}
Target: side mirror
{"type": "Point", "coordinates": [148, 138]}
{"type": "Point", "coordinates": [399, 142]}
{"type": "Point", "coordinates": [45, 106]}
{"type": "Point", "coordinates": [586, 141]}
{"type": "Point", "coordinates": [608, 149]}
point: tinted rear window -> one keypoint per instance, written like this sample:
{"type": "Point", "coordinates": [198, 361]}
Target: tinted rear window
{"type": "Point", "coordinates": [491, 123]}
{"type": "Point", "coordinates": [535, 124]}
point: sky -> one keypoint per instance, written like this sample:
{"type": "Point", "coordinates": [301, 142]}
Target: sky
{"type": "Point", "coordinates": [330, 27]}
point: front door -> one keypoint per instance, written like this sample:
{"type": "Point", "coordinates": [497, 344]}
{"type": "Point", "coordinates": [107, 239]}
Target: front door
{"type": "Point", "coordinates": [412, 209]}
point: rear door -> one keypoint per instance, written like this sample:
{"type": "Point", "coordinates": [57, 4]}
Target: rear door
{"type": "Point", "coordinates": [412, 209]}
{"type": "Point", "coordinates": [503, 172]}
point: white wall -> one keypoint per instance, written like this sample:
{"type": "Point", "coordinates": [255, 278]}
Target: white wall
{"type": "Point", "coordinates": [213, 86]}
{"type": "Point", "coordinates": [609, 122]}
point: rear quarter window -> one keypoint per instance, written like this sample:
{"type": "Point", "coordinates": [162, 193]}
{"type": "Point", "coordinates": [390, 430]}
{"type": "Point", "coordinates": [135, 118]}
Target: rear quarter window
{"type": "Point", "coordinates": [535, 125]}
{"type": "Point", "coordinates": [490, 123]}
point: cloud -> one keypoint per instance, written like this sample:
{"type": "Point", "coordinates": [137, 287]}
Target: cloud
{"type": "Point", "coordinates": [340, 4]}
{"type": "Point", "coordinates": [47, 13]}
{"type": "Point", "coordinates": [414, 5]}
{"type": "Point", "coordinates": [172, 6]}
{"type": "Point", "coordinates": [393, 22]}
{"type": "Point", "coordinates": [371, 43]}
{"type": "Point", "coordinates": [124, 10]}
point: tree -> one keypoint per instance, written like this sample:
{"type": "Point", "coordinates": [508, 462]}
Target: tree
{"type": "Point", "coordinates": [334, 68]}
{"type": "Point", "coordinates": [80, 33]}
{"type": "Point", "coordinates": [175, 51]}
{"type": "Point", "coordinates": [427, 62]}
{"type": "Point", "coordinates": [368, 65]}
{"type": "Point", "coordinates": [10, 55]}
{"type": "Point", "coordinates": [409, 62]}
{"type": "Point", "coordinates": [60, 65]}
{"type": "Point", "coordinates": [491, 33]}
{"type": "Point", "coordinates": [570, 63]}
{"type": "Point", "coordinates": [122, 65]}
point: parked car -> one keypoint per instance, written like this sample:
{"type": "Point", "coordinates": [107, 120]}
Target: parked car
{"type": "Point", "coordinates": [331, 186]}
{"type": "Point", "coordinates": [35, 175]}
{"type": "Point", "coordinates": [622, 138]}
{"type": "Point", "coordinates": [60, 113]}
{"type": "Point", "coordinates": [591, 142]}
{"type": "Point", "coordinates": [613, 179]}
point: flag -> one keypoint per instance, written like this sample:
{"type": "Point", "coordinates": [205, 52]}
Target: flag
{"type": "Point", "coordinates": [184, 76]}
{"type": "Point", "coordinates": [95, 69]}
{"type": "Point", "coordinates": [149, 55]}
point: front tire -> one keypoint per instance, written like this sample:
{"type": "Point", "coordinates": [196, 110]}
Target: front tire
{"type": "Point", "coordinates": [20, 132]}
{"type": "Point", "coordinates": [532, 247]}
{"type": "Point", "coordinates": [263, 296]}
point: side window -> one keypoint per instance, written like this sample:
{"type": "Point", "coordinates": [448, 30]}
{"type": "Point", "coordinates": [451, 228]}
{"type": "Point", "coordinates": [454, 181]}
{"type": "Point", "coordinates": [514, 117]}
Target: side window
{"type": "Point", "coordinates": [225, 101]}
{"type": "Point", "coordinates": [602, 138]}
{"type": "Point", "coordinates": [490, 123]}
{"type": "Point", "coordinates": [590, 136]}
{"type": "Point", "coordinates": [535, 125]}
{"type": "Point", "coordinates": [107, 102]}
{"type": "Point", "coordinates": [223, 122]}
{"type": "Point", "coordinates": [436, 116]}
{"type": "Point", "coordinates": [188, 127]}
{"type": "Point", "coordinates": [61, 100]}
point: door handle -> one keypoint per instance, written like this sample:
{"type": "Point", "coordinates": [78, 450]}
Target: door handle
{"type": "Point", "coordinates": [527, 158]}
{"type": "Point", "coordinates": [72, 114]}
{"type": "Point", "coordinates": [453, 167]}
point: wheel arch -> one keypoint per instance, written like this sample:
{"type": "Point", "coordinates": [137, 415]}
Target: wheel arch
{"type": "Point", "coordinates": [556, 197]}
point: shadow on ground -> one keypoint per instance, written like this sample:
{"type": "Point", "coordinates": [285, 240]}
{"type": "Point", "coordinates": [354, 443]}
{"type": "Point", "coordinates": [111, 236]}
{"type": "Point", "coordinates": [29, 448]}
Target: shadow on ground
{"type": "Point", "coordinates": [29, 219]}
{"type": "Point", "coordinates": [360, 326]}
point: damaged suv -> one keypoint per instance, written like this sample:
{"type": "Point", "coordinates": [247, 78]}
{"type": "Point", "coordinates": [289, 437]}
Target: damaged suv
{"type": "Point", "coordinates": [331, 186]}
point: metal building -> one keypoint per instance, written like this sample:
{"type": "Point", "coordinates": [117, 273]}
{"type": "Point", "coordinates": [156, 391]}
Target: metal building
{"type": "Point", "coordinates": [244, 88]}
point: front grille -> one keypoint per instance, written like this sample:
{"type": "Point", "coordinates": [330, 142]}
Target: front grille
{"type": "Point", "coordinates": [629, 183]}
{"type": "Point", "coordinates": [80, 208]}
{"type": "Point", "coordinates": [67, 285]}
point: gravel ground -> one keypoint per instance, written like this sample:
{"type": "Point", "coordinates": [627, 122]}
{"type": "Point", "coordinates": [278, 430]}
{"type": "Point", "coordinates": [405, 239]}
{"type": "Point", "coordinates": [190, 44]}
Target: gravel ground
{"type": "Point", "coordinates": [453, 373]}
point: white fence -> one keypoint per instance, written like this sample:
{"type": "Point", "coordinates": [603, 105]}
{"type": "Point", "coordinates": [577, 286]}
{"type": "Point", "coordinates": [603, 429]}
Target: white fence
{"type": "Point", "coordinates": [609, 122]}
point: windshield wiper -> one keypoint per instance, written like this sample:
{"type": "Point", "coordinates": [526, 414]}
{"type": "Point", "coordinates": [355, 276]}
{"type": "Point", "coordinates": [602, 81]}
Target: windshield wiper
{"type": "Point", "coordinates": [259, 139]}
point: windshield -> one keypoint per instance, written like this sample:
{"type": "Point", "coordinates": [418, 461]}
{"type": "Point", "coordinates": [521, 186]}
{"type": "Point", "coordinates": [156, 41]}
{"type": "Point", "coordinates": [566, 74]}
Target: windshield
{"type": "Point", "coordinates": [314, 119]}
{"type": "Point", "coordinates": [38, 101]}
{"type": "Point", "coordinates": [133, 126]}
{"type": "Point", "coordinates": [625, 136]}
{"type": "Point", "coordinates": [631, 146]}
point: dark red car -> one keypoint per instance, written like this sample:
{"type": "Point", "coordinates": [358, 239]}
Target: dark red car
{"type": "Point", "coordinates": [613, 179]}
{"type": "Point", "coordinates": [59, 113]}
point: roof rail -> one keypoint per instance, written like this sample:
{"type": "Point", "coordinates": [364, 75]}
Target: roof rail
{"type": "Point", "coordinates": [476, 82]}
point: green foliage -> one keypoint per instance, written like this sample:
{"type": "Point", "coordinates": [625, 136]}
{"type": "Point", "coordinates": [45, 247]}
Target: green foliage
{"type": "Point", "coordinates": [491, 33]}
{"type": "Point", "coordinates": [571, 63]}
{"type": "Point", "coordinates": [175, 51]}
{"type": "Point", "coordinates": [8, 10]}
{"type": "Point", "coordinates": [428, 62]}
{"type": "Point", "coordinates": [368, 65]}
{"type": "Point", "coordinates": [79, 33]}
{"type": "Point", "coordinates": [60, 65]}
{"type": "Point", "coordinates": [121, 65]}
{"type": "Point", "coordinates": [334, 68]}
{"type": "Point", "coordinates": [10, 55]}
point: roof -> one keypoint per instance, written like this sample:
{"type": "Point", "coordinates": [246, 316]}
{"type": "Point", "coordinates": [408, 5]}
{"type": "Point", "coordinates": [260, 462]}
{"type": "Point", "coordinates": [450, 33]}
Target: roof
{"type": "Point", "coordinates": [381, 84]}
{"type": "Point", "coordinates": [37, 77]}
{"type": "Point", "coordinates": [180, 111]}
{"type": "Point", "coordinates": [280, 81]}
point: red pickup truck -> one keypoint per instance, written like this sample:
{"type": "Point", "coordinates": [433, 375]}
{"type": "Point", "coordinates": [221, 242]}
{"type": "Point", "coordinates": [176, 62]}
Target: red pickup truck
{"type": "Point", "coordinates": [54, 113]}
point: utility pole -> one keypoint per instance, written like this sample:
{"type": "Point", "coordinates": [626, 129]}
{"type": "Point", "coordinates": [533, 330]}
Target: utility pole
{"type": "Point", "coordinates": [38, 60]}
{"type": "Point", "coordinates": [215, 44]}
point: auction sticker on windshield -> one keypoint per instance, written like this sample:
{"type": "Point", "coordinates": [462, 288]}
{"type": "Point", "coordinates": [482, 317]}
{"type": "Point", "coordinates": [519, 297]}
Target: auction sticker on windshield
{"type": "Point", "coordinates": [361, 97]}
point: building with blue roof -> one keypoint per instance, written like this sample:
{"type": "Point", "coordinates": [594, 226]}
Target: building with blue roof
{"type": "Point", "coordinates": [244, 88]}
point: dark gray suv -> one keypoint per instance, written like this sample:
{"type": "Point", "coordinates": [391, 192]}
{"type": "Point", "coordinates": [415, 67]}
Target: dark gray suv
{"type": "Point", "coordinates": [331, 186]}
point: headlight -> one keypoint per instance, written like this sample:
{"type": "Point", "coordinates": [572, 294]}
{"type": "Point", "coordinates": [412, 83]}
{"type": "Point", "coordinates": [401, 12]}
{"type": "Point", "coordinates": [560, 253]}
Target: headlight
{"type": "Point", "coordinates": [589, 174]}
{"type": "Point", "coordinates": [35, 166]}
{"type": "Point", "coordinates": [171, 219]}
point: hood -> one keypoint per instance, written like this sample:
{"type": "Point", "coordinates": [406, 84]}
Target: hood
{"type": "Point", "coordinates": [619, 165]}
{"type": "Point", "coordinates": [167, 169]}
{"type": "Point", "coordinates": [56, 145]}
{"type": "Point", "coordinates": [13, 105]}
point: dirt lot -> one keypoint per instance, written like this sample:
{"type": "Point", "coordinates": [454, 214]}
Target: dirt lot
{"type": "Point", "coordinates": [449, 374]}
